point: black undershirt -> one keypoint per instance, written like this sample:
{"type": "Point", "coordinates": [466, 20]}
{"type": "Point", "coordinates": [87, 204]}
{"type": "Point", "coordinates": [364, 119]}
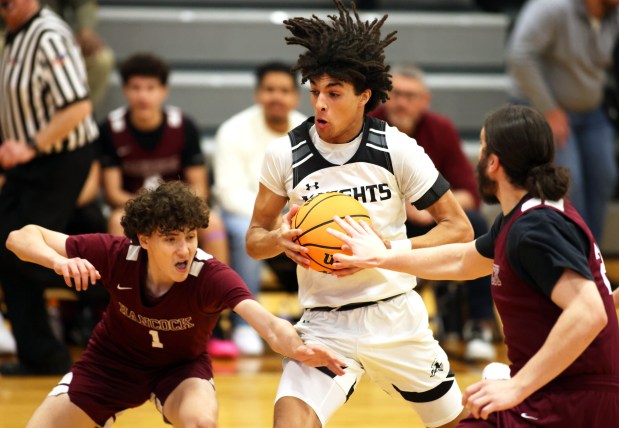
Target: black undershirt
{"type": "Point", "coordinates": [540, 246]}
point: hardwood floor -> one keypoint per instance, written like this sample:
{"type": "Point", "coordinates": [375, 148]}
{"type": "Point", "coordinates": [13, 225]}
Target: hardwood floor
{"type": "Point", "coordinates": [245, 390]}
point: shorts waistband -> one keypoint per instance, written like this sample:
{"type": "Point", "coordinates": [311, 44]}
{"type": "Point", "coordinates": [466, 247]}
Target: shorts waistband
{"type": "Point", "coordinates": [351, 306]}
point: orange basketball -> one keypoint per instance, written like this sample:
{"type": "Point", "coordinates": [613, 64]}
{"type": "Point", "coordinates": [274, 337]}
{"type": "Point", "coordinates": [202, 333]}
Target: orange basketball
{"type": "Point", "coordinates": [315, 216]}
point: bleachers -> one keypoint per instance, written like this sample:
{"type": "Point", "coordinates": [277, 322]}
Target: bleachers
{"type": "Point", "coordinates": [214, 49]}
{"type": "Point", "coordinates": [443, 5]}
{"type": "Point", "coordinates": [213, 52]}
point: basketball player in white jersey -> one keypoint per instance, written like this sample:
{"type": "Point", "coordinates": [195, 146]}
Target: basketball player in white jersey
{"type": "Point", "coordinates": [373, 318]}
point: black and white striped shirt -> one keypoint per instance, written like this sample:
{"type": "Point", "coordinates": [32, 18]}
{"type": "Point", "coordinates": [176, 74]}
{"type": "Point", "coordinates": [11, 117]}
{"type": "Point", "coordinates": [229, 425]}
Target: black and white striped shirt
{"type": "Point", "coordinates": [41, 72]}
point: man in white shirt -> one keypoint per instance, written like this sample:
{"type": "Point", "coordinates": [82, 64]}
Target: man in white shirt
{"type": "Point", "coordinates": [241, 143]}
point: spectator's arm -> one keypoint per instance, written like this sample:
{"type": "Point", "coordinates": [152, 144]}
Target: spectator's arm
{"type": "Point", "coordinates": [465, 199]}
{"type": "Point", "coordinates": [197, 178]}
{"type": "Point", "coordinates": [113, 187]}
{"type": "Point", "coordinates": [533, 34]}
{"type": "Point", "coordinates": [231, 179]}
{"type": "Point", "coordinates": [92, 185]}
{"type": "Point", "coordinates": [456, 167]}
{"type": "Point", "coordinates": [86, 14]}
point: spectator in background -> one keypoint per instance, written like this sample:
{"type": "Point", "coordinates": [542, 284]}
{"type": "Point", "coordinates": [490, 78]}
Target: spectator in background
{"type": "Point", "coordinates": [99, 58]}
{"type": "Point", "coordinates": [146, 142]}
{"type": "Point", "coordinates": [557, 56]}
{"type": "Point", "coordinates": [241, 142]}
{"type": "Point", "coordinates": [46, 153]}
{"type": "Point", "coordinates": [408, 109]}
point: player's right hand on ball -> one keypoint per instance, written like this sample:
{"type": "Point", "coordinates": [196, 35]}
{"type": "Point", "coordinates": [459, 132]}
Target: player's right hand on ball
{"type": "Point", "coordinates": [77, 271]}
{"type": "Point", "coordinates": [293, 251]}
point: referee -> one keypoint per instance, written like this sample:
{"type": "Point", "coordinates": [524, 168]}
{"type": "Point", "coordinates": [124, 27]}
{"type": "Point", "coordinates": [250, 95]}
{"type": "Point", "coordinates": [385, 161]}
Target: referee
{"type": "Point", "coordinates": [46, 127]}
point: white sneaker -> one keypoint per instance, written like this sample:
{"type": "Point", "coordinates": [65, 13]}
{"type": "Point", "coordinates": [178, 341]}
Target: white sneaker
{"type": "Point", "coordinates": [479, 350]}
{"type": "Point", "coordinates": [248, 341]}
{"type": "Point", "coordinates": [479, 346]}
{"type": "Point", "coordinates": [7, 341]}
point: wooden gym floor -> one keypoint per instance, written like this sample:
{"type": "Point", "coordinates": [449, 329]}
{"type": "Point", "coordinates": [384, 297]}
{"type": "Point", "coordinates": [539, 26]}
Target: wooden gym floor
{"type": "Point", "coordinates": [246, 388]}
{"type": "Point", "coordinates": [245, 391]}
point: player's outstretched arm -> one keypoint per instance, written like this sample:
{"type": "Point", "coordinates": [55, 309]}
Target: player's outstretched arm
{"type": "Point", "coordinates": [45, 247]}
{"type": "Point", "coordinates": [269, 234]}
{"type": "Point", "coordinates": [283, 338]}
{"type": "Point", "coordinates": [449, 262]}
{"type": "Point", "coordinates": [616, 298]}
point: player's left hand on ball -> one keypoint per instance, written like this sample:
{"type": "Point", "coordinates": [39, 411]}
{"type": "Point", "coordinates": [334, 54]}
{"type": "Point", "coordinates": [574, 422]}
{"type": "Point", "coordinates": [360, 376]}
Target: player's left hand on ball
{"type": "Point", "coordinates": [78, 271]}
{"type": "Point", "coordinates": [360, 239]}
{"type": "Point", "coordinates": [319, 356]}
{"type": "Point", "coordinates": [487, 396]}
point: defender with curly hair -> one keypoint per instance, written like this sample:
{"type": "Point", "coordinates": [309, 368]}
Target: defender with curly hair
{"type": "Point", "coordinates": [373, 318]}
{"type": "Point", "coordinates": [165, 297]}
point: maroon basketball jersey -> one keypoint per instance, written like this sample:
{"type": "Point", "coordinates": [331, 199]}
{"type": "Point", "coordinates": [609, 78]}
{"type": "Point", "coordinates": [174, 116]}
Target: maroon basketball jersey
{"type": "Point", "coordinates": [528, 315]}
{"type": "Point", "coordinates": [139, 164]}
{"type": "Point", "coordinates": [173, 329]}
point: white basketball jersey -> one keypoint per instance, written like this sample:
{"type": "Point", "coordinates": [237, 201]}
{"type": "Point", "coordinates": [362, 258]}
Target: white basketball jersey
{"type": "Point", "coordinates": [380, 168]}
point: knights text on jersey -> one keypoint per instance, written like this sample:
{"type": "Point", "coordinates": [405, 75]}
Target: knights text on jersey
{"type": "Point", "coordinates": [385, 167]}
{"type": "Point", "coordinates": [173, 329]}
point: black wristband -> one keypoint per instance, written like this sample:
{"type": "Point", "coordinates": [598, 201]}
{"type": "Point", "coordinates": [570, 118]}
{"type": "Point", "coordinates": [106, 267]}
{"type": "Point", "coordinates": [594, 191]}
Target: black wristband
{"type": "Point", "coordinates": [31, 143]}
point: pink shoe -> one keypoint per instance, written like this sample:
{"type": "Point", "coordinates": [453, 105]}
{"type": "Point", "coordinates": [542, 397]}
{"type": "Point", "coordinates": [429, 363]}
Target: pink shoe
{"type": "Point", "coordinates": [218, 348]}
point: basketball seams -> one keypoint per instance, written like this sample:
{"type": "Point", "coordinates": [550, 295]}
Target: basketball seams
{"type": "Point", "coordinates": [354, 216]}
{"type": "Point", "coordinates": [318, 217]}
{"type": "Point", "coordinates": [310, 209]}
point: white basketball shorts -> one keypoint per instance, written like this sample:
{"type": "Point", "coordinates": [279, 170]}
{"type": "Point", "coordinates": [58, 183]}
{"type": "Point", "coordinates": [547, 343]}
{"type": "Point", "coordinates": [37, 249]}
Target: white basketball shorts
{"type": "Point", "coordinates": [391, 342]}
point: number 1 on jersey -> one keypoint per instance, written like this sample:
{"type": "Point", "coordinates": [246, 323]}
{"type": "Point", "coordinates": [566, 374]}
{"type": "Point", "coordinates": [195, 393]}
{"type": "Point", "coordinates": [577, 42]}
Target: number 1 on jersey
{"type": "Point", "coordinates": [155, 335]}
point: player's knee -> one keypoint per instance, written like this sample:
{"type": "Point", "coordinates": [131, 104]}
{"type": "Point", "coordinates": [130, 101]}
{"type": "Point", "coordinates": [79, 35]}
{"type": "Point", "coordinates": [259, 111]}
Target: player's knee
{"type": "Point", "coordinates": [292, 412]}
{"type": "Point", "coordinates": [199, 421]}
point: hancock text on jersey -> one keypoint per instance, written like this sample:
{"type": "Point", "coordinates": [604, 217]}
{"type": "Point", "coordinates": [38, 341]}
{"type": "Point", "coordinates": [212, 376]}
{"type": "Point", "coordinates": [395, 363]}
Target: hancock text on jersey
{"type": "Point", "coordinates": [156, 324]}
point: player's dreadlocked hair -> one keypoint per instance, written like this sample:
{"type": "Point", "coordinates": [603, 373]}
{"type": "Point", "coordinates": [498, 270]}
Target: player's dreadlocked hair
{"type": "Point", "coordinates": [349, 50]}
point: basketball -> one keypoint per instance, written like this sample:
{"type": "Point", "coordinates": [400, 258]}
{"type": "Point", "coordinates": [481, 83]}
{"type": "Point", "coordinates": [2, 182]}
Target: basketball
{"type": "Point", "coordinates": [315, 216]}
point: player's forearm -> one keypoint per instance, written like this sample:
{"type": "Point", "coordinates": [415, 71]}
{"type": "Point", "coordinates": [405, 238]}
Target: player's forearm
{"type": "Point", "coordinates": [447, 262]}
{"type": "Point", "coordinates": [278, 333]}
{"type": "Point", "coordinates": [616, 298]}
{"type": "Point", "coordinates": [283, 338]}
{"type": "Point", "coordinates": [263, 244]}
{"type": "Point", "coordinates": [447, 231]}
{"type": "Point", "coordinates": [29, 245]}
{"type": "Point", "coordinates": [574, 331]}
